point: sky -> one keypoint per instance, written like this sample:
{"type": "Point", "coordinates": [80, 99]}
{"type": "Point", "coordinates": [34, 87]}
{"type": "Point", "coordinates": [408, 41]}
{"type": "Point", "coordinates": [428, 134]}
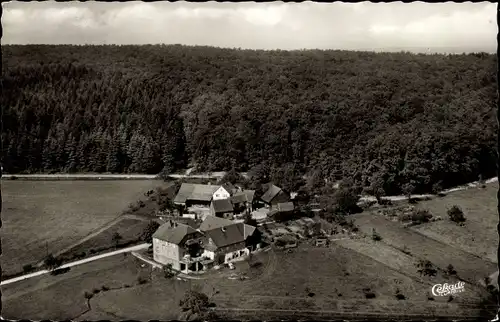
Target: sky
{"type": "Point", "coordinates": [276, 25]}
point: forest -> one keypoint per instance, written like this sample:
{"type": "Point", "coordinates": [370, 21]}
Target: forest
{"type": "Point", "coordinates": [390, 121]}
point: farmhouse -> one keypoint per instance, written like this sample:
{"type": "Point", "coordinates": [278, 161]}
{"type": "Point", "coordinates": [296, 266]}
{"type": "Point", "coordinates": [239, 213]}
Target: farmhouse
{"type": "Point", "coordinates": [274, 195]}
{"type": "Point", "coordinates": [243, 200]}
{"type": "Point", "coordinates": [222, 208]}
{"type": "Point", "coordinates": [217, 240]}
{"type": "Point", "coordinates": [191, 194]}
{"type": "Point", "coordinates": [225, 191]}
{"type": "Point", "coordinates": [178, 245]}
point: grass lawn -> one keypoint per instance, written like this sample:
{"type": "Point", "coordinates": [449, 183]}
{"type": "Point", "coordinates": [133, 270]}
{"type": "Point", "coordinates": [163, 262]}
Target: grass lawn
{"type": "Point", "coordinates": [479, 236]}
{"type": "Point", "coordinates": [62, 297]}
{"type": "Point", "coordinates": [337, 276]}
{"type": "Point", "coordinates": [129, 229]}
{"type": "Point", "coordinates": [37, 214]}
{"type": "Point", "coordinates": [468, 266]}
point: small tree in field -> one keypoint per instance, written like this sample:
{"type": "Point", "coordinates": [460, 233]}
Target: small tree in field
{"type": "Point", "coordinates": [408, 189]}
{"type": "Point", "coordinates": [147, 234]}
{"type": "Point", "coordinates": [194, 301]}
{"type": "Point", "coordinates": [116, 238]}
{"type": "Point", "coordinates": [456, 214]}
{"type": "Point", "coordinates": [51, 262]}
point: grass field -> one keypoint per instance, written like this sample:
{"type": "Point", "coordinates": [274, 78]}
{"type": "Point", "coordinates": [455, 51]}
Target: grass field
{"type": "Point", "coordinates": [337, 276]}
{"type": "Point", "coordinates": [468, 266]}
{"type": "Point", "coordinates": [479, 236]}
{"type": "Point", "coordinates": [129, 229]}
{"type": "Point", "coordinates": [41, 216]}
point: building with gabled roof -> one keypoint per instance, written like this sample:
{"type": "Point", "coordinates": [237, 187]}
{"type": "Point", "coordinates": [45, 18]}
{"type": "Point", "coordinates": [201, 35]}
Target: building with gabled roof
{"type": "Point", "coordinates": [222, 208]}
{"type": "Point", "coordinates": [172, 245]}
{"type": "Point", "coordinates": [190, 194]}
{"type": "Point", "coordinates": [216, 240]}
{"type": "Point", "coordinates": [274, 195]}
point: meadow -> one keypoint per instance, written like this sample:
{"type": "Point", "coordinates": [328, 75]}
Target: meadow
{"type": "Point", "coordinates": [310, 279]}
{"type": "Point", "coordinates": [468, 266]}
{"type": "Point", "coordinates": [479, 235]}
{"type": "Point", "coordinates": [40, 217]}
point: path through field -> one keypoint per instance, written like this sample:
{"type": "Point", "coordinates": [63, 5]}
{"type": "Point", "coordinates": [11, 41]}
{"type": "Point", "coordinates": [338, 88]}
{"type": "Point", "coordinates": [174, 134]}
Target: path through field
{"type": "Point", "coordinates": [95, 233]}
{"type": "Point", "coordinates": [76, 263]}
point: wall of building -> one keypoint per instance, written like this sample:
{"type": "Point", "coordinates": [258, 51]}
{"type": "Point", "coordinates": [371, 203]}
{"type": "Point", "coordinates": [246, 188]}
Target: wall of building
{"type": "Point", "coordinates": [220, 194]}
{"type": "Point", "coordinates": [167, 253]}
{"type": "Point", "coordinates": [236, 254]}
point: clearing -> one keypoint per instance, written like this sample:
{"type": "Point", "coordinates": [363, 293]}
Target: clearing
{"type": "Point", "coordinates": [41, 217]}
{"type": "Point", "coordinates": [479, 235]}
{"type": "Point", "coordinates": [468, 266]}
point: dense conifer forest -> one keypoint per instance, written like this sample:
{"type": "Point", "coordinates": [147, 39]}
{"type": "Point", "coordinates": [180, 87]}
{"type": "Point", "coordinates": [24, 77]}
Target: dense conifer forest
{"type": "Point", "coordinates": [397, 121]}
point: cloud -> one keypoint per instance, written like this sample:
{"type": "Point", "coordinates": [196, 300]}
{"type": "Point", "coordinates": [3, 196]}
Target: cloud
{"type": "Point", "coordinates": [252, 25]}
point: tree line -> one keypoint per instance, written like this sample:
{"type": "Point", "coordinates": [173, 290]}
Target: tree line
{"type": "Point", "coordinates": [390, 122]}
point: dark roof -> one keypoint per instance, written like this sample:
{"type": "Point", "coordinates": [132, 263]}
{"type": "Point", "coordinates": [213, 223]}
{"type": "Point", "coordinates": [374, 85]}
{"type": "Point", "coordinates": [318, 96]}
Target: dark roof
{"type": "Point", "coordinates": [250, 194]}
{"type": "Point", "coordinates": [243, 196]}
{"type": "Point", "coordinates": [271, 192]}
{"type": "Point", "coordinates": [223, 205]}
{"type": "Point", "coordinates": [212, 222]}
{"type": "Point", "coordinates": [173, 234]}
{"type": "Point", "coordinates": [225, 232]}
{"type": "Point", "coordinates": [191, 191]}
{"type": "Point", "coordinates": [238, 198]}
{"type": "Point", "coordinates": [285, 206]}
{"type": "Point", "coordinates": [229, 187]}
{"type": "Point", "coordinates": [228, 235]}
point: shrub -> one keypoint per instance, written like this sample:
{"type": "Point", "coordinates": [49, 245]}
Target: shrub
{"type": "Point", "coordinates": [27, 268]}
{"type": "Point", "coordinates": [141, 204]}
{"type": "Point", "coordinates": [370, 295]}
{"type": "Point", "coordinates": [405, 217]}
{"type": "Point", "coordinates": [399, 296]}
{"type": "Point", "coordinates": [450, 270]}
{"type": "Point", "coordinates": [92, 251]}
{"type": "Point", "coordinates": [147, 234]}
{"type": "Point", "coordinates": [142, 280]}
{"type": "Point", "coordinates": [105, 288]}
{"type": "Point", "coordinates": [88, 295]}
{"type": "Point", "coordinates": [168, 271]}
{"type": "Point", "coordinates": [421, 216]}
{"type": "Point", "coordinates": [96, 290]}
{"type": "Point", "coordinates": [456, 214]}
{"type": "Point", "coordinates": [376, 236]}
{"type": "Point", "coordinates": [426, 268]}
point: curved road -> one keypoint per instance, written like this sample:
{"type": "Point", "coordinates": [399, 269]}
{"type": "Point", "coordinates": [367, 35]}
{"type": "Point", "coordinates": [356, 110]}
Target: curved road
{"type": "Point", "coordinates": [76, 263]}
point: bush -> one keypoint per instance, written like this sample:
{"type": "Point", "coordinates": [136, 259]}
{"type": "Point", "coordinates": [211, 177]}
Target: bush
{"type": "Point", "coordinates": [27, 268]}
{"type": "Point", "coordinates": [104, 288]}
{"type": "Point", "coordinates": [421, 216]}
{"type": "Point", "coordinates": [376, 236]}
{"type": "Point", "coordinates": [400, 296]}
{"type": "Point", "coordinates": [88, 295]}
{"type": "Point", "coordinates": [450, 270]}
{"type": "Point", "coordinates": [141, 280]}
{"type": "Point", "coordinates": [426, 268]}
{"type": "Point", "coordinates": [456, 214]}
{"type": "Point", "coordinates": [370, 295]}
{"type": "Point", "coordinates": [96, 291]}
